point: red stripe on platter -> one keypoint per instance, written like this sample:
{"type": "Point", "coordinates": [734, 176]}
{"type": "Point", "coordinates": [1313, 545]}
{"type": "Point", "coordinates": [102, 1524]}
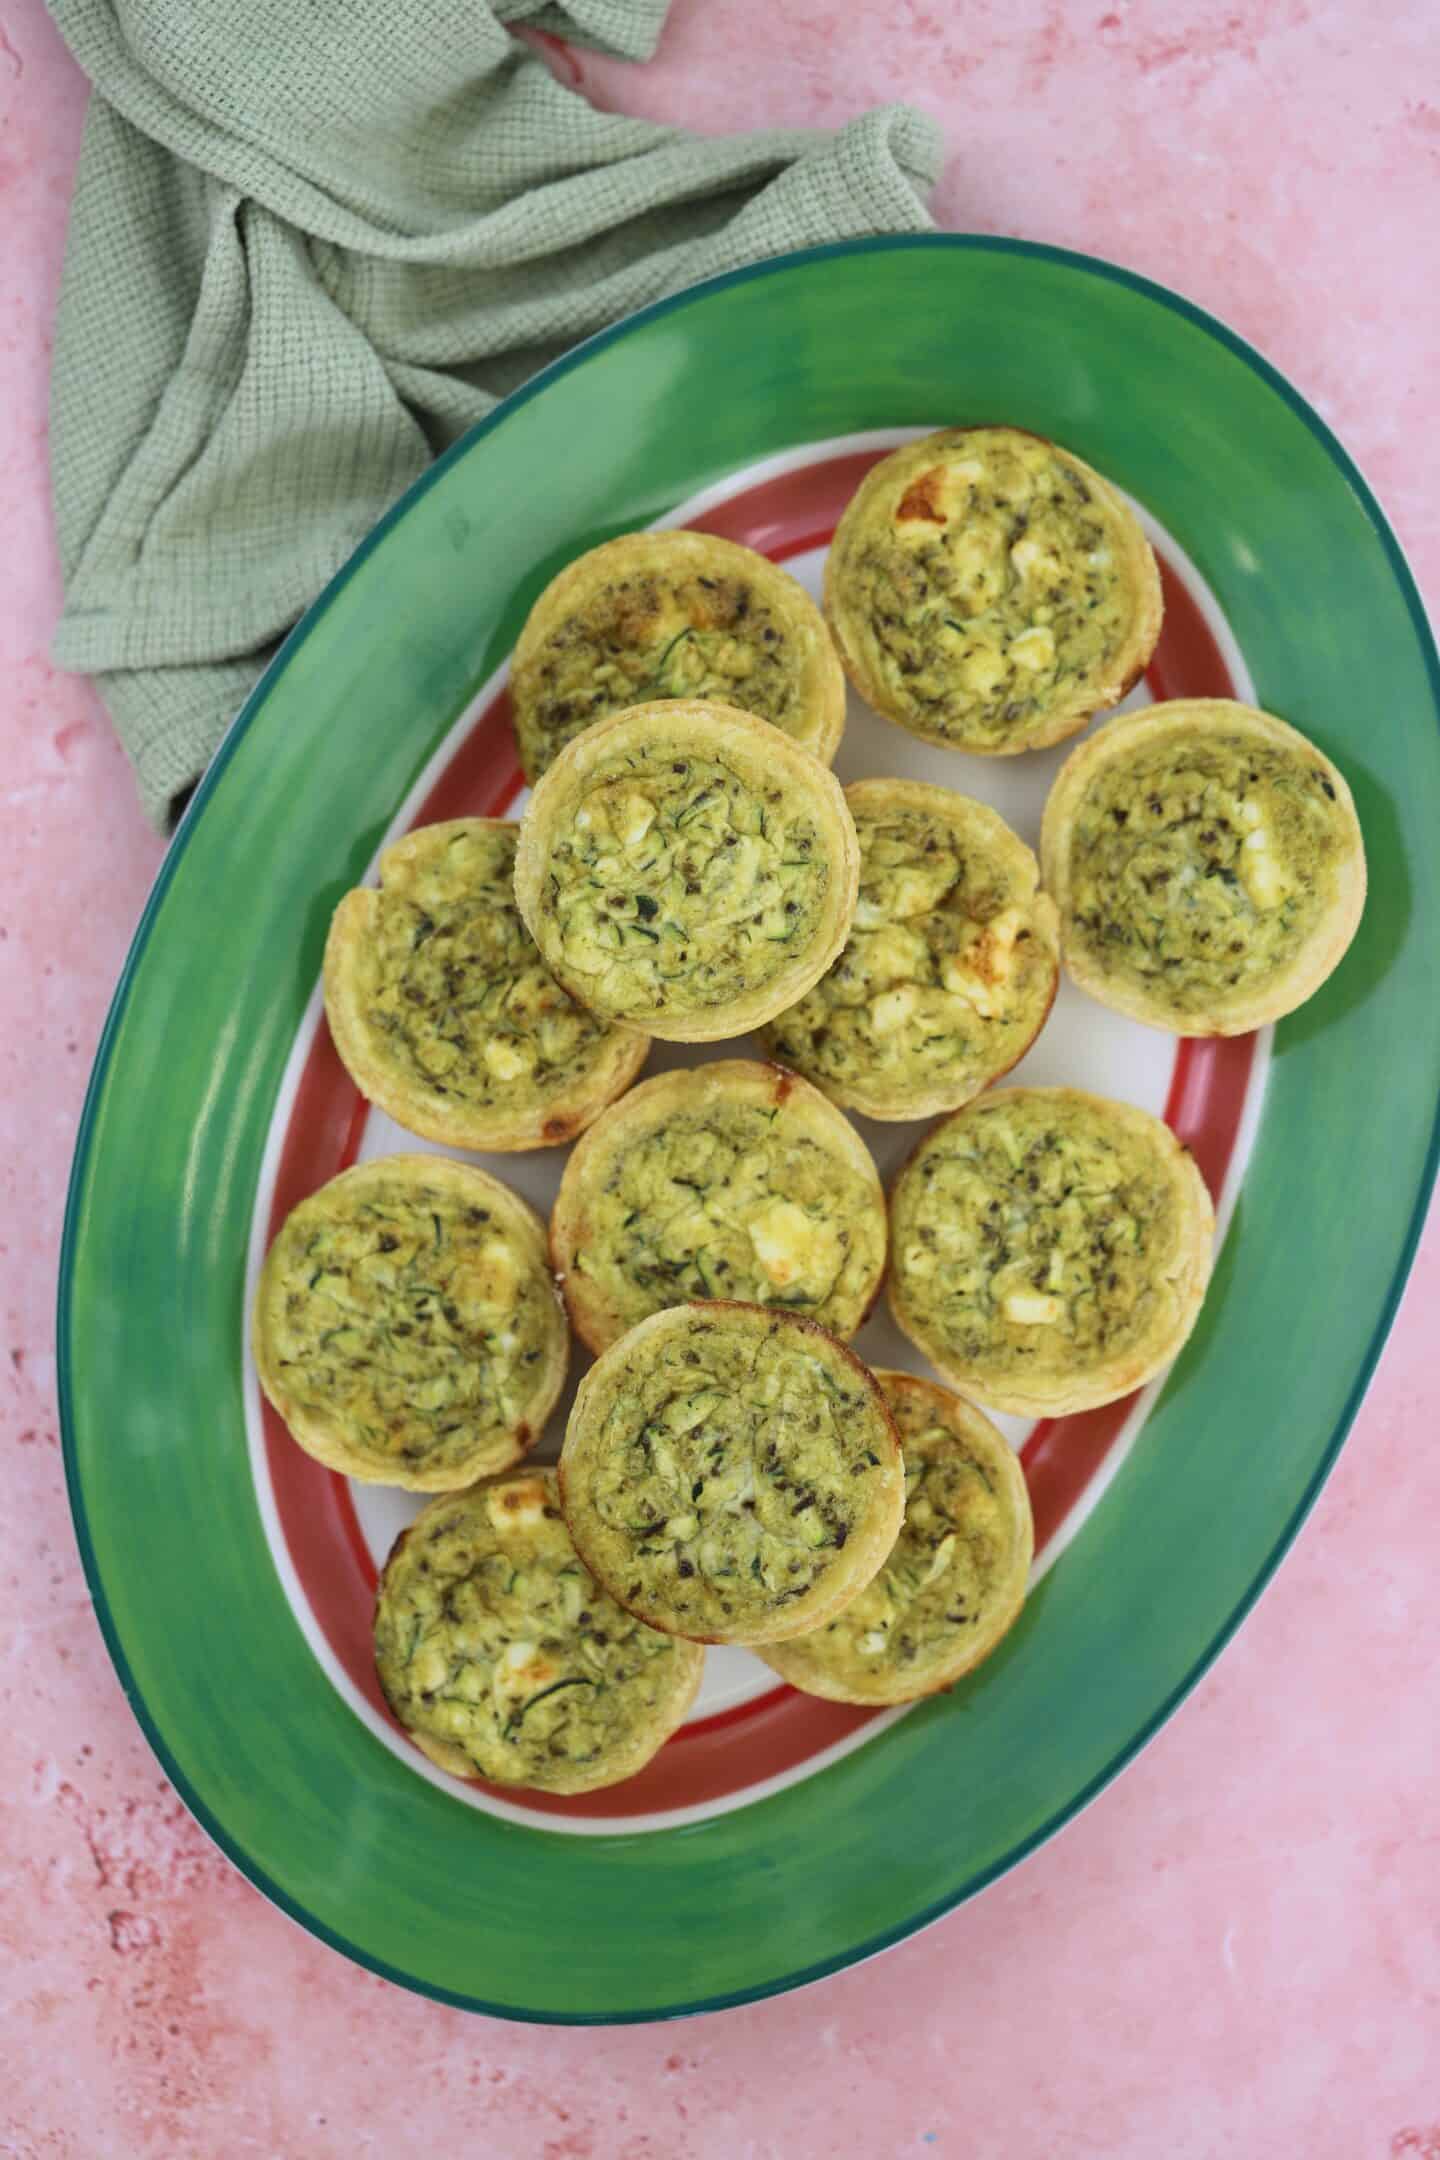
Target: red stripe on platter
{"type": "Point", "coordinates": [779, 1730]}
{"type": "Point", "coordinates": [1188, 661]}
{"type": "Point", "coordinates": [484, 777]}
{"type": "Point", "coordinates": [791, 511]}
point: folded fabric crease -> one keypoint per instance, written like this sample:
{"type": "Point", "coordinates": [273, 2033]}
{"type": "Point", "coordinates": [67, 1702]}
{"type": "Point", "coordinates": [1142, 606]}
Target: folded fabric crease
{"type": "Point", "coordinates": [309, 247]}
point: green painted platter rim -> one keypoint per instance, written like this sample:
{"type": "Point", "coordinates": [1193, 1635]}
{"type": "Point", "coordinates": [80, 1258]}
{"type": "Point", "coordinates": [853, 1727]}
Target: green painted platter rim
{"type": "Point", "coordinates": [250, 1864]}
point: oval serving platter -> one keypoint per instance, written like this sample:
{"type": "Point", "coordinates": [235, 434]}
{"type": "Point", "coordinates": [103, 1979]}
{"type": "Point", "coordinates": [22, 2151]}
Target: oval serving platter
{"type": "Point", "coordinates": [776, 1838]}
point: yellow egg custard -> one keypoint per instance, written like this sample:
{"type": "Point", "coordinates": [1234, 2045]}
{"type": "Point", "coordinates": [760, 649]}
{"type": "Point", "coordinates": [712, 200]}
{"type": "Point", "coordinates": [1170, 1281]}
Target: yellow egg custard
{"type": "Point", "coordinates": [502, 1656]}
{"type": "Point", "coordinates": [955, 1579]}
{"type": "Point", "coordinates": [445, 1015]}
{"type": "Point", "coordinates": [990, 592]}
{"type": "Point", "coordinates": [686, 870]}
{"type": "Point", "coordinates": [407, 1326]}
{"type": "Point", "coordinates": [673, 614]}
{"type": "Point", "coordinates": [731, 1473]}
{"type": "Point", "coordinates": [1049, 1249]}
{"type": "Point", "coordinates": [1208, 865]}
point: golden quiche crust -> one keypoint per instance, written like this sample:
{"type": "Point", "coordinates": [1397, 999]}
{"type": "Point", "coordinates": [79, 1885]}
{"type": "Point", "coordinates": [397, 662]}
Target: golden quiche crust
{"type": "Point", "coordinates": [673, 614]}
{"type": "Point", "coordinates": [407, 1327]}
{"type": "Point", "coordinates": [1050, 1249]}
{"type": "Point", "coordinates": [1208, 865]}
{"type": "Point", "coordinates": [990, 591]}
{"type": "Point", "coordinates": [731, 1473]}
{"type": "Point", "coordinates": [502, 1656]}
{"type": "Point", "coordinates": [735, 1180]}
{"type": "Point", "coordinates": [955, 1579]}
{"type": "Point", "coordinates": [686, 870]}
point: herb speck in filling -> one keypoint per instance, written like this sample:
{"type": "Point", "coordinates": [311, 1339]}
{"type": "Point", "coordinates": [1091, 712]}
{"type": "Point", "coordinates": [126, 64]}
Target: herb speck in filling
{"type": "Point", "coordinates": [454, 991]}
{"type": "Point", "coordinates": [731, 1469]}
{"type": "Point", "coordinates": [679, 884]}
{"type": "Point", "coordinates": [414, 1324]}
{"type": "Point", "coordinates": [1200, 867]}
{"type": "Point", "coordinates": [493, 1638]}
{"type": "Point", "coordinates": [1032, 1235]}
{"type": "Point", "coordinates": [993, 585]}
{"type": "Point", "coordinates": [948, 970]}
{"type": "Point", "coordinates": [648, 636]}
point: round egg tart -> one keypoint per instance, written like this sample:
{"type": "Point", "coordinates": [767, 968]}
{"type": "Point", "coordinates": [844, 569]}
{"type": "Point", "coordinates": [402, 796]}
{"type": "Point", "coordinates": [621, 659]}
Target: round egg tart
{"type": "Point", "coordinates": [445, 1015]}
{"type": "Point", "coordinates": [1049, 1249]}
{"type": "Point", "coordinates": [950, 968]}
{"type": "Point", "coordinates": [686, 870]}
{"type": "Point", "coordinates": [733, 1180]}
{"type": "Point", "coordinates": [731, 1473]}
{"type": "Point", "coordinates": [673, 614]}
{"type": "Point", "coordinates": [407, 1327]}
{"type": "Point", "coordinates": [504, 1659]}
{"type": "Point", "coordinates": [990, 592]}
{"type": "Point", "coordinates": [955, 1579]}
{"type": "Point", "coordinates": [1208, 866]}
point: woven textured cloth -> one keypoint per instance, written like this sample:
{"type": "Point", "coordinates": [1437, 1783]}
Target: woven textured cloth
{"type": "Point", "coordinates": [312, 241]}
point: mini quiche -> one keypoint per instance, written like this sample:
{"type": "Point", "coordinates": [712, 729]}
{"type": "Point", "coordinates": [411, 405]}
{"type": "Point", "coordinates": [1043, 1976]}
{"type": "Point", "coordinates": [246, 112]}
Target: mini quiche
{"type": "Point", "coordinates": [989, 592]}
{"type": "Point", "coordinates": [504, 1659]}
{"type": "Point", "coordinates": [955, 1579]}
{"type": "Point", "coordinates": [951, 964]}
{"type": "Point", "coordinates": [1049, 1249]}
{"type": "Point", "coordinates": [407, 1326]}
{"type": "Point", "coordinates": [686, 870]}
{"type": "Point", "coordinates": [733, 1181]}
{"type": "Point", "coordinates": [673, 614]}
{"type": "Point", "coordinates": [1208, 866]}
{"type": "Point", "coordinates": [445, 1015]}
{"type": "Point", "coordinates": [731, 1473]}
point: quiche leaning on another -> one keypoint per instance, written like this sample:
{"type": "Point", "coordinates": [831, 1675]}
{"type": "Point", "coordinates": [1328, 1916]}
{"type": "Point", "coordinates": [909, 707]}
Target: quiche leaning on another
{"type": "Point", "coordinates": [444, 1013]}
{"type": "Point", "coordinates": [731, 1474]}
{"type": "Point", "coordinates": [407, 1327]}
{"type": "Point", "coordinates": [990, 592]}
{"type": "Point", "coordinates": [502, 1656]}
{"type": "Point", "coordinates": [955, 1579]}
{"type": "Point", "coordinates": [1208, 865]}
{"type": "Point", "coordinates": [732, 1180]}
{"type": "Point", "coordinates": [1050, 1249]}
{"type": "Point", "coordinates": [686, 870]}
{"type": "Point", "coordinates": [673, 614]}
{"type": "Point", "coordinates": [951, 965]}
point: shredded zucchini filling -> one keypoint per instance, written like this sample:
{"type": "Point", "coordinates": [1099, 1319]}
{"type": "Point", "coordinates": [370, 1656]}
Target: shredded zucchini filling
{"type": "Point", "coordinates": [954, 1549]}
{"type": "Point", "coordinates": [415, 1323]}
{"type": "Point", "coordinates": [730, 1201]}
{"type": "Point", "coordinates": [495, 1638]}
{"type": "Point", "coordinates": [454, 987]}
{"type": "Point", "coordinates": [680, 884]}
{"type": "Point", "coordinates": [1196, 868]}
{"type": "Point", "coordinates": [647, 637]}
{"type": "Point", "coordinates": [1029, 1236]}
{"type": "Point", "coordinates": [942, 976]}
{"type": "Point", "coordinates": [998, 583]}
{"type": "Point", "coordinates": [732, 1470]}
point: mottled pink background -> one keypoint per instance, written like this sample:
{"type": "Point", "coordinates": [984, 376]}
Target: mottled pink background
{"type": "Point", "coordinates": [1237, 1950]}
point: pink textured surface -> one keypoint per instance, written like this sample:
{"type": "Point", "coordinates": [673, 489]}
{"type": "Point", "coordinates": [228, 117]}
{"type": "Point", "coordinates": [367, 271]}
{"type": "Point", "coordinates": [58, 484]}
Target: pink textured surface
{"type": "Point", "coordinates": [1236, 1949]}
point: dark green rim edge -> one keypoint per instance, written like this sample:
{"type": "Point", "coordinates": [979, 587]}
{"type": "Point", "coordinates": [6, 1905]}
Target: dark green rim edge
{"type": "Point", "coordinates": [247, 1865]}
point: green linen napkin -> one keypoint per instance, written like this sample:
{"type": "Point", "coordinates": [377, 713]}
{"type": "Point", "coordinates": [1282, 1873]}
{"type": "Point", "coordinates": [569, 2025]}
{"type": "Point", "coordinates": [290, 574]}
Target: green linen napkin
{"type": "Point", "coordinates": [312, 241]}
